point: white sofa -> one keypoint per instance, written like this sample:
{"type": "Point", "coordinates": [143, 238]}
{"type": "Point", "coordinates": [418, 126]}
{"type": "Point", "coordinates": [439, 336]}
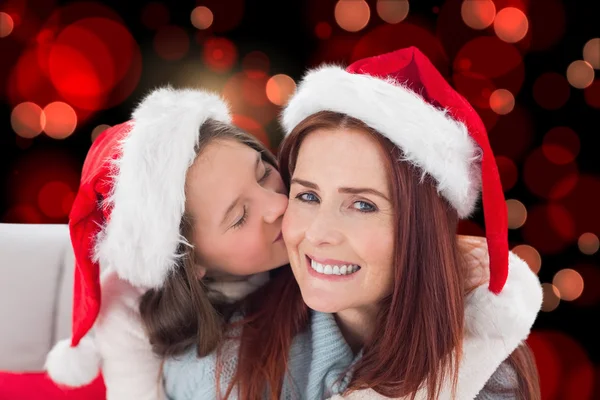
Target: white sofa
{"type": "Point", "coordinates": [36, 279]}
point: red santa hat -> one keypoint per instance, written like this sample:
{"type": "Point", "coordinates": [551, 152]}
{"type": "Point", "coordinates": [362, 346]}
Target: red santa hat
{"type": "Point", "coordinates": [405, 98]}
{"type": "Point", "coordinates": [128, 210]}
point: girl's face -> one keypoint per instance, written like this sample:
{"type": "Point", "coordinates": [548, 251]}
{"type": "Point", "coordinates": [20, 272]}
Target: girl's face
{"type": "Point", "coordinates": [339, 223]}
{"type": "Point", "coordinates": [237, 202]}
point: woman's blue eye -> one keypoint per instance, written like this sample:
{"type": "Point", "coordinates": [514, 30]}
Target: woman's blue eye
{"type": "Point", "coordinates": [363, 206]}
{"type": "Point", "coordinates": [307, 197]}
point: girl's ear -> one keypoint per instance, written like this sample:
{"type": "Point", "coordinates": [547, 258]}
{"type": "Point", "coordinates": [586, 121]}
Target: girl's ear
{"type": "Point", "coordinates": [200, 271]}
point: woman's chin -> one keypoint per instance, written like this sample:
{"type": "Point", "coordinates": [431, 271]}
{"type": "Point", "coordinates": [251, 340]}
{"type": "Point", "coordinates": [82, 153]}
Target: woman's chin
{"type": "Point", "coordinates": [321, 303]}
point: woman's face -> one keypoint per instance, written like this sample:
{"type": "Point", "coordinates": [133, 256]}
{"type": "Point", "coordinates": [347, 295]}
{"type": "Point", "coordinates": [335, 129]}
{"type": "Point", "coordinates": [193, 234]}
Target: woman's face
{"type": "Point", "coordinates": [339, 223]}
{"type": "Point", "coordinates": [237, 202]}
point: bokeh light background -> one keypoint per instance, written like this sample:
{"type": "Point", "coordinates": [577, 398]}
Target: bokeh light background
{"type": "Point", "coordinates": [71, 69]}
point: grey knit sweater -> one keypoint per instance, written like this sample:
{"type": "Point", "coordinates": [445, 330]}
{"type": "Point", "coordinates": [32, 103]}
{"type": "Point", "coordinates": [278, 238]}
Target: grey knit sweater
{"type": "Point", "coordinates": [318, 358]}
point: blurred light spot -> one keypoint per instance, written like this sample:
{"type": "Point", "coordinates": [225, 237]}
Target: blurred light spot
{"type": "Point", "coordinates": [561, 221]}
{"type": "Point", "coordinates": [155, 15]}
{"type": "Point", "coordinates": [202, 17]}
{"type": "Point", "coordinates": [491, 63]}
{"type": "Point", "coordinates": [98, 130]}
{"type": "Point", "coordinates": [256, 62]}
{"type": "Point", "coordinates": [591, 52]}
{"type": "Point", "coordinates": [569, 284]}
{"type": "Point", "coordinates": [22, 214]}
{"type": "Point", "coordinates": [580, 74]}
{"type": "Point", "coordinates": [551, 91]}
{"type": "Point", "coordinates": [6, 24]}
{"type": "Point", "coordinates": [435, 9]}
{"type": "Point", "coordinates": [251, 126]}
{"type": "Point", "coordinates": [490, 57]}
{"type": "Point", "coordinates": [547, 361]}
{"type": "Point", "coordinates": [517, 213]}
{"type": "Point", "coordinates": [502, 101]}
{"type": "Point", "coordinates": [551, 297]}
{"type": "Point", "coordinates": [279, 89]}
{"type": "Point", "coordinates": [79, 66]}
{"type": "Point", "coordinates": [219, 54]}
{"type": "Point", "coordinates": [549, 228]}
{"type": "Point", "coordinates": [171, 43]}
{"type": "Point", "coordinates": [246, 94]}
{"type": "Point", "coordinates": [511, 24]}
{"type": "Point", "coordinates": [588, 243]}
{"type": "Point", "coordinates": [478, 14]}
{"type": "Point", "coordinates": [28, 120]}
{"type": "Point", "coordinates": [254, 90]}
{"type": "Point", "coordinates": [530, 255]}
{"type": "Point", "coordinates": [61, 120]}
{"type": "Point", "coordinates": [323, 30]}
{"type": "Point", "coordinates": [565, 368]}
{"type": "Point", "coordinates": [94, 63]}
{"type": "Point", "coordinates": [51, 199]}
{"type": "Point", "coordinates": [508, 172]}
{"type": "Point", "coordinates": [592, 94]}
{"type": "Point", "coordinates": [67, 203]}
{"type": "Point", "coordinates": [392, 11]}
{"type": "Point", "coordinates": [28, 81]}
{"type": "Point", "coordinates": [561, 145]}
{"type": "Point", "coordinates": [352, 15]}
{"type": "Point", "coordinates": [35, 168]}
{"type": "Point", "coordinates": [547, 179]}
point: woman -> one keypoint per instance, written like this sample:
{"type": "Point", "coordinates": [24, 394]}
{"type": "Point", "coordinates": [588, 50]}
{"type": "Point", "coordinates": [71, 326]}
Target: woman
{"type": "Point", "coordinates": [382, 161]}
{"type": "Point", "coordinates": [183, 212]}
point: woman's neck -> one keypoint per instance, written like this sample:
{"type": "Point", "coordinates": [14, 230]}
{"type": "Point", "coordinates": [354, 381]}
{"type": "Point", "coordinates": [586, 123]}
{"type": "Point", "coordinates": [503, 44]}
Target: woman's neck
{"type": "Point", "coordinates": [356, 325]}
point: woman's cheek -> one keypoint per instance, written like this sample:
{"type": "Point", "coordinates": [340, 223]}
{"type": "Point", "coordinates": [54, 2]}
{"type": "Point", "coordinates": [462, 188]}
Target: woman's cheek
{"type": "Point", "coordinates": [292, 223]}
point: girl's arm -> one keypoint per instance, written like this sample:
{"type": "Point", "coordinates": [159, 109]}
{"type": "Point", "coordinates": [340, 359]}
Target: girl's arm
{"type": "Point", "coordinates": [129, 367]}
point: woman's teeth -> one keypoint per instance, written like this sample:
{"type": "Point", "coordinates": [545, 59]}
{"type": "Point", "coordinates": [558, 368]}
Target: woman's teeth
{"type": "Point", "coordinates": [334, 269]}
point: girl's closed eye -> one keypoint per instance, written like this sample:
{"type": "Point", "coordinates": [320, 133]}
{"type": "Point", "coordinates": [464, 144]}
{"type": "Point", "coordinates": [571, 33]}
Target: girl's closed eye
{"type": "Point", "coordinates": [242, 220]}
{"type": "Point", "coordinates": [268, 171]}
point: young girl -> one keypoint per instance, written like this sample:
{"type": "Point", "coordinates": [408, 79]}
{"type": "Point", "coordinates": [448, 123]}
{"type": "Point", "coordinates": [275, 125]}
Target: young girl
{"type": "Point", "coordinates": [382, 159]}
{"type": "Point", "coordinates": [182, 211]}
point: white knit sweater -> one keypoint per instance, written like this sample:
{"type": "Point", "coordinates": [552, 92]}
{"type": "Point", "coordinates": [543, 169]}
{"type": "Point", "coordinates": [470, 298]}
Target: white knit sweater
{"type": "Point", "coordinates": [129, 367]}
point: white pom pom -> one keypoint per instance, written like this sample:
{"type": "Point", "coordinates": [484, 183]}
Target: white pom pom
{"type": "Point", "coordinates": [73, 366]}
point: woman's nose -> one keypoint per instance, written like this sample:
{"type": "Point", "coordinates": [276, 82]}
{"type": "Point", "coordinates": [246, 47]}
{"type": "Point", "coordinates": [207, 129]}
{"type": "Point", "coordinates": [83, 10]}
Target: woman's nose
{"type": "Point", "coordinates": [322, 230]}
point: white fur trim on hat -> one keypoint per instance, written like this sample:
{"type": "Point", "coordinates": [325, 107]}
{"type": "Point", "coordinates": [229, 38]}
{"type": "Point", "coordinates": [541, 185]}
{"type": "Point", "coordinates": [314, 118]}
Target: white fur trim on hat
{"type": "Point", "coordinates": [141, 238]}
{"type": "Point", "coordinates": [428, 136]}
